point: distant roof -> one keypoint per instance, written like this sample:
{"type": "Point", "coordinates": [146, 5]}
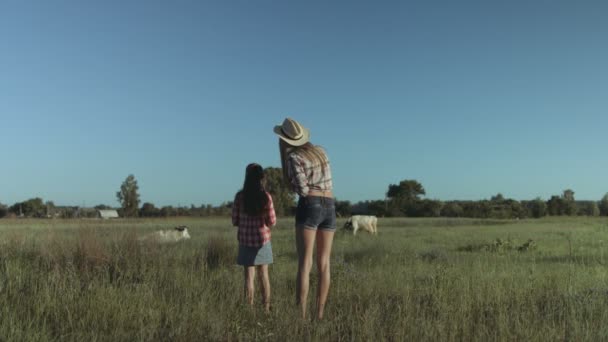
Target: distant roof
{"type": "Point", "coordinates": [108, 213]}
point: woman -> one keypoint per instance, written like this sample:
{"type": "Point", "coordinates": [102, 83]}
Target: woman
{"type": "Point", "coordinates": [306, 169]}
{"type": "Point", "coordinates": [253, 214]}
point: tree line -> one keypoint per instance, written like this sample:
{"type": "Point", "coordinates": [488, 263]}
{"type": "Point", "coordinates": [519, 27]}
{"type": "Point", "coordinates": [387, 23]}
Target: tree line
{"type": "Point", "coordinates": [38, 208]}
{"type": "Point", "coordinates": [405, 199]}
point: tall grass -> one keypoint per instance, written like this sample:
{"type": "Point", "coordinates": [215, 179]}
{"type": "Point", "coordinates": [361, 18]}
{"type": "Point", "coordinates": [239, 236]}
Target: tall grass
{"type": "Point", "coordinates": [93, 280]}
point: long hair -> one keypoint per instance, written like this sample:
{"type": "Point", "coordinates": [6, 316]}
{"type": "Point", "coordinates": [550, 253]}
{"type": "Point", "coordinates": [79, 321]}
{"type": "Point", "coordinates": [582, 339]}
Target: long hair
{"type": "Point", "coordinates": [254, 195]}
{"type": "Point", "coordinates": [308, 151]}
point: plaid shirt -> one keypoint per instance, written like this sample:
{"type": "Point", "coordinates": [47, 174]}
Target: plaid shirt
{"type": "Point", "coordinates": [305, 176]}
{"type": "Point", "coordinates": [254, 231]}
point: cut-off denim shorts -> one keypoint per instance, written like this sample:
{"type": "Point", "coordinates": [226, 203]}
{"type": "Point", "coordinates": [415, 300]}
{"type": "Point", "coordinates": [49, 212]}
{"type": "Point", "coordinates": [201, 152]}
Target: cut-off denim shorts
{"type": "Point", "coordinates": [316, 212]}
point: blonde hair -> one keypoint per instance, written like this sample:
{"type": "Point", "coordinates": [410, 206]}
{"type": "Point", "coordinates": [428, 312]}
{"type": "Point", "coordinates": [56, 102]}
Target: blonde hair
{"type": "Point", "coordinates": [308, 151]}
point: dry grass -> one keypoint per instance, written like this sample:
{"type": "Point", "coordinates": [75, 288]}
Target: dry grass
{"type": "Point", "coordinates": [96, 281]}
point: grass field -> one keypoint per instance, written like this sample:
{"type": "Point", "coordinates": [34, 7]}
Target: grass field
{"type": "Point", "coordinates": [419, 279]}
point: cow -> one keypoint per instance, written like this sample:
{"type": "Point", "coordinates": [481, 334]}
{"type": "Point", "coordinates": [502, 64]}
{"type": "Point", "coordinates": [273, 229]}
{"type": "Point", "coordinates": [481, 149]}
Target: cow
{"type": "Point", "coordinates": [172, 235]}
{"type": "Point", "coordinates": [369, 223]}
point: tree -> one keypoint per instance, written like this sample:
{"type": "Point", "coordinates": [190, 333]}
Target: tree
{"type": "Point", "coordinates": [594, 209]}
{"type": "Point", "coordinates": [604, 205]}
{"type": "Point", "coordinates": [499, 198]}
{"type": "Point", "coordinates": [588, 208]}
{"type": "Point", "coordinates": [33, 207]}
{"type": "Point", "coordinates": [568, 195]}
{"type": "Point", "coordinates": [516, 209]}
{"type": "Point", "coordinates": [208, 210]}
{"type": "Point", "coordinates": [537, 208]}
{"type": "Point", "coordinates": [406, 190]}
{"type": "Point", "coordinates": [50, 209]}
{"type": "Point", "coordinates": [224, 209]}
{"type": "Point", "coordinates": [477, 209]}
{"type": "Point", "coordinates": [102, 207]}
{"type": "Point", "coordinates": [404, 197]}
{"type": "Point", "coordinates": [3, 210]}
{"type": "Point", "coordinates": [428, 208]}
{"type": "Point", "coordinates": [343, 208]}
{"type": "Point", "coordinates": [452, 209]}
{"type": "Point", "coordinates": [149, 210]}
{"type": "Point", "coordinates": [555, 206]}
{"type": "Point", "coordinates": [128, 197]}
{"type": "Point", "coordinates": [282, 196]}
{"type": "Point", "coordinates": [569, 203]}
{"type": "Point", "coordinates": [377, 208]}
{"type": "Point", "coordinates": [167, 211]}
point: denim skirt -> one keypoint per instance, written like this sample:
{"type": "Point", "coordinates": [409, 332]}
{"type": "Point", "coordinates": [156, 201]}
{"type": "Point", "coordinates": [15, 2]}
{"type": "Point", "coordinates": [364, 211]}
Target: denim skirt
{"type": "Point", "coordinates": [251, 256]}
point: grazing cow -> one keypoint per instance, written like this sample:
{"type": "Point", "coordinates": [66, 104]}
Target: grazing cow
{"type": "Point", "coordinates": [172, 235]}
{"type": "Point", "coordinates": [369, 223]}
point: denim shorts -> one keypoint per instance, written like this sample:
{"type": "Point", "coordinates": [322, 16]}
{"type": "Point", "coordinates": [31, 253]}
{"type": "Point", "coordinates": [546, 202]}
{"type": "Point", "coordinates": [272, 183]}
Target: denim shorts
{"type": "Point", "coordinates": [316, 212]}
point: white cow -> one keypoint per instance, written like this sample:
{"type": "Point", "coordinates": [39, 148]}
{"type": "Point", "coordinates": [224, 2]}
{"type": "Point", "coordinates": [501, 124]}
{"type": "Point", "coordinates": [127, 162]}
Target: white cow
{"type": "Point", "coordinates": [172, 235]}
{"type": "Point", "coordinates": [369, 223]}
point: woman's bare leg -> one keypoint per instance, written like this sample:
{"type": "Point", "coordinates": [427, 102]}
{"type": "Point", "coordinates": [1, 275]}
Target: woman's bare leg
{"type": "Point", "coordinates": [324, 243]}
{"type": "Point", "coordinates": [249, 283]}
{"type": "Point", "coordinates": [264, 286]}
{"type": "Point", "coordinates": [305, 239]}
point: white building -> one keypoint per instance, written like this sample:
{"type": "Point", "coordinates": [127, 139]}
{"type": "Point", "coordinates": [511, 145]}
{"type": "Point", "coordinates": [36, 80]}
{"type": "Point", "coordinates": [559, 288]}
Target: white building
{"type": "Point", "coordinates": [107, 214]}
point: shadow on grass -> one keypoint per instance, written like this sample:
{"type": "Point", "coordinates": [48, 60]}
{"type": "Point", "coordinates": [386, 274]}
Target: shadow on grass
{"type": "Point", "coordinates": [434, 255]}
{"type": "Point", "coordinates": [442, 222]}
{"type": "Point", "coordinates": [367, 254]}
{"type": "Point", "coordinates": [581, 260]}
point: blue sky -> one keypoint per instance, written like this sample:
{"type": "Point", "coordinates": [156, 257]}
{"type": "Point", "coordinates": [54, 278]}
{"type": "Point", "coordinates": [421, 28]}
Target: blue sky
{"type": "Point", "coordinates": [470, 98]}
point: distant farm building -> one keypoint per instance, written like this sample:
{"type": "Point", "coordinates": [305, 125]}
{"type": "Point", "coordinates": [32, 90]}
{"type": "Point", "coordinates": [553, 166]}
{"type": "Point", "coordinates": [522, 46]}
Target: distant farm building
{"type": "Point", "coordinates": [107, 214]}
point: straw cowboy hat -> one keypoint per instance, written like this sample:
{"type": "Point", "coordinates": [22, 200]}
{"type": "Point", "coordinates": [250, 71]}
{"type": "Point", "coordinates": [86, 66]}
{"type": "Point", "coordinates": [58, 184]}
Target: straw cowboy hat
{"type": "Point", "coordinates": [292, 132]}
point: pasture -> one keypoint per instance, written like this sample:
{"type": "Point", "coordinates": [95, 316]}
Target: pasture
{"type": "Point", "coordinates": [418, 280]}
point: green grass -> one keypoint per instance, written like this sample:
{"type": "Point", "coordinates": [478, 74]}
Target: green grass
{"type": "Point", "coordinates": [417, 280]}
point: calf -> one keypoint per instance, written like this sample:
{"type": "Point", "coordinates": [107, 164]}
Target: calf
{"type": "Point", "coordinates": [173, 235]}
{"type": "Point", "coordinates": [369, 223]}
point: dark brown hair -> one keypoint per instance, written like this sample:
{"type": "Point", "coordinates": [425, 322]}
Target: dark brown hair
{"type": "Point", "coordinates": [253, 194]}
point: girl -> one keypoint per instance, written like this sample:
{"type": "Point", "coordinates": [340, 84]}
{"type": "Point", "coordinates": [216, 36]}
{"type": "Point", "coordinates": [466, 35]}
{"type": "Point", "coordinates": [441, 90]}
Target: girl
{"type": "Point", "coordinates": [253, 214]}
{"type": "Point", "coordinates": [306, 169]}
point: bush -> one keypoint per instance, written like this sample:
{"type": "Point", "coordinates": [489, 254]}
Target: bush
{"type": "Point", "coordinates": [3, 210]}
{"type": "Point", "coordinates": [434, 255]}
{"type": "Point", "coordinates": [219, 252]}
{"type": "Point", "coordinates": [452, 209]}
{"type": "Point", "coordinates": [498, 246]}
{"type": "Point", "coordinates": [537, 208]}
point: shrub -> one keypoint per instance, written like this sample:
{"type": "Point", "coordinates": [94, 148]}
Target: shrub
{"type": "Point", "coordinates": [433, 255]}
{"type": "Point", "coordinates": [219, 252]}
{"type": "Point", "coordinates": [498, 246]}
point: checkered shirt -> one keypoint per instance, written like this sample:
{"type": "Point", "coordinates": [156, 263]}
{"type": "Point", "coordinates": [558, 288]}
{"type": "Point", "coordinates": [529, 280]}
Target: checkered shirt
{"type": "Point", "coordinates": [254, 231]}
{"type": "Point", "coordinates": [305, 176]}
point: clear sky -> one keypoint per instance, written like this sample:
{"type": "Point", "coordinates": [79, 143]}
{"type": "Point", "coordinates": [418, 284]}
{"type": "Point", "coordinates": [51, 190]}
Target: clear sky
{"type": "Point", "coordinates": [469, 98]}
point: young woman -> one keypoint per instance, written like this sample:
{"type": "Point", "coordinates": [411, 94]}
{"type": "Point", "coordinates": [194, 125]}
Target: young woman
{"type": "Point", "coordinates": [306, 169]}
{"type": "Point", "coordinates": [253, 214]}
